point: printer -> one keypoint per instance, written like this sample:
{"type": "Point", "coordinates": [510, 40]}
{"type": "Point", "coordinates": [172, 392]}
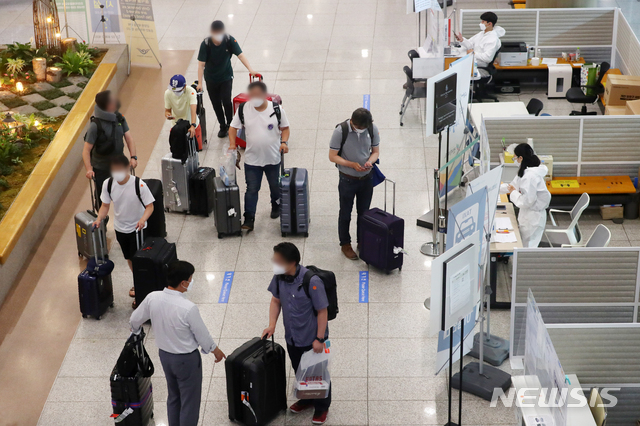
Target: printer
{"type": "Point", "coordinates": [513, 54]}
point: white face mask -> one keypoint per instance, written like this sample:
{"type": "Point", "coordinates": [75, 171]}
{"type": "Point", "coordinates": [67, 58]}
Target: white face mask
{"type": "Point", "coordinates": [278, 270]}
{"type": "Point", "coordinates": [119, 175]}
{"type": "Point", "coordinates": [218, 37]}
{"type": "Point", "coordinates": [359, 131]}
{"type": "Point", "coordinates": [257, 102]}
{"type": "Point", "coordinates": [482, 26]}
{"type": "Point", "coordinates": [179, 93]}
{"type": "Point", "coordinates": [515, 161]}
{"type": "Point", "coordinates": [190, 287]}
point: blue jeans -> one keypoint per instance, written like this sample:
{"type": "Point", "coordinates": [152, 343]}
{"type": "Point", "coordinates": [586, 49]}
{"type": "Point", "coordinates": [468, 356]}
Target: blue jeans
{"type": "Point", "coordinates": [253, 177]}
{"type": "Point", "coordinates": [350, 190]}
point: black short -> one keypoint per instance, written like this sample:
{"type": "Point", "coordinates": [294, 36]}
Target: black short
{"type": "Point", "coordinates": [127, 243]}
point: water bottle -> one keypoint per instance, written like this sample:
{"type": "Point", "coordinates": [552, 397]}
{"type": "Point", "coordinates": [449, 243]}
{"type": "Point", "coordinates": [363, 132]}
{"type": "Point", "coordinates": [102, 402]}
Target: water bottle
{"type": "Point", "coordinates": [577, 54]}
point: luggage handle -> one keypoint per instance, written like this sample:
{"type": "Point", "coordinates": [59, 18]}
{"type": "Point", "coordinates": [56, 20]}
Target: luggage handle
{"type": "Point", "coordinates": [139, 238]}
{"type": "Point", "coordinates": [394, 195]}
{"type": "Point", "coordinates": [281, 163]}
{"type": "Point", "coordinates": [265, 339]}
{"type": "Point", "coordinates": [253, 77]}
{"type": "Point", "coordinates": [92, 189]}
{"type": "Point", "coordinates": [95, 249]}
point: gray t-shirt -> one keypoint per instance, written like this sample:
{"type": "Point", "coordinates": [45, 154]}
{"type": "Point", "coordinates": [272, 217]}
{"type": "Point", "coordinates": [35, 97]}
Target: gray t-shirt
{"type": "Point", "coordinates": [300, 322]}
{"type": "Point", "coordinates": [356, 148]}
{"type": "Point", "coordinates": [107, 120]}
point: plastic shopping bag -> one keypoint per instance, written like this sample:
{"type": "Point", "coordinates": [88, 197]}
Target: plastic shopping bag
{"type": "Point", "coordinates": [312, 378]}
{"type": "Point", "coordinates": [228, 166]}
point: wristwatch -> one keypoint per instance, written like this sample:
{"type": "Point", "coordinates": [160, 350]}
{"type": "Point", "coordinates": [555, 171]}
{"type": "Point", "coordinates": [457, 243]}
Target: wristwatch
{"type": "Point", "coordinates": [321, 340]}
{"type": "Point", "coordinates": [194, 125]}
{"type": "Point", "coordinates": [134, 157]}
{"type": "Point", "coordinates": [285, 142]}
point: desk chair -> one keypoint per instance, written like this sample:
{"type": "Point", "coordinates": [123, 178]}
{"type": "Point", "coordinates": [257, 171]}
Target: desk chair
{"type": "Point", "coordinates": [598, 411]}
{"type": "Point", "coordinates": [600, 238]}
{"type": "Point", "coordinates": [535, 106]}
{"type": "Point", "coordinates": [413, 90]}
{"type": "Point", "coordinates": [571, 234]}
{"type": "Point", "coordinates": [480, 86]}
{"type": "Point", "coordinates": [577, 95]}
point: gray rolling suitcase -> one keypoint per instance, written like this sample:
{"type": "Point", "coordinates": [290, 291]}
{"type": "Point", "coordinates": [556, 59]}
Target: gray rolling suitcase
{"type": "Point", "coordinates": [226, 208]}
{"type": "Point", "coordinates": [83, 224]}
{"type": "Point", "coordinates": [294, 201]}
{"type": "Point", "coordinates": [175, 179]}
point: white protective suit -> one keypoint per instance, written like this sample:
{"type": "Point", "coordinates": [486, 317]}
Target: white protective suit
{"type": "Point", "coordinates": [485, 45]}
{"type": "Point", "coordinates": [532, 197]}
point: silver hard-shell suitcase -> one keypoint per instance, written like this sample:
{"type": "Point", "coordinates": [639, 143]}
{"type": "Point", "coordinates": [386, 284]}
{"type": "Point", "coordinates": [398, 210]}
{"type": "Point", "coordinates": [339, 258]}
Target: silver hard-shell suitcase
{"type": "Point", "coordinates": [175, 179]}
{"type": "Point", "coordinates": [83, 224]}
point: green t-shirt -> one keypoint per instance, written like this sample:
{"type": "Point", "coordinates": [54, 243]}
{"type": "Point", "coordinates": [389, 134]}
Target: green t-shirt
{"type": "Point", "coordinates": [217, 59]}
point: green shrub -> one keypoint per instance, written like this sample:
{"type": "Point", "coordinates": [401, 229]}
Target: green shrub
{"type": "Point", "coordinates": [4, 184]}
{"type": "Point", "coordinates": [43, 105]}
{"type": "Point", "coordinates": [76, 63]}
{"type": "Point", "coordinates": [82, 85]}
{"type": "Point", "coordinates": [68, 106]}
{"type": "Point", "coordinates": [17, 50]}
{"type": "Point", "coordinates": [63, 83]}
{"type": "Point", "coordinates": [15, 66]}
{"type": "Point", "coordinates": [92, 51]}
{"type": "Point", "coordinates": [13, 102]}
{"type": "Point", "coordinates": [52, 94]}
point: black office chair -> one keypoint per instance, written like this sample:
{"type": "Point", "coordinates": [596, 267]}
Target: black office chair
{"type": "Point", "coordinates": [413, 90]}
{"type": "Point", "coordinates": [480, 86]}
{"type": "Point", "coordinates": [577, 95]}
{"type": "Point", "coordinates": [535, 106]}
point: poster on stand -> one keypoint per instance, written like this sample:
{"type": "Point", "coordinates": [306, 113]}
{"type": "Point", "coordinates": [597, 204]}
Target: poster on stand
{"type": "Point", "coordinates": [113, 31]}
{"type": "Point", "coordinates": [76, 18]}
{"type": "Point", "coordinates": [144, 27]}
{"type": "Point", "coordinates": [457, 140]}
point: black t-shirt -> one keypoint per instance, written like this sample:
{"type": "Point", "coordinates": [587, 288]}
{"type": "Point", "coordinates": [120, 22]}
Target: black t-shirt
{"type": "Point", "coordinates": [217, 59]}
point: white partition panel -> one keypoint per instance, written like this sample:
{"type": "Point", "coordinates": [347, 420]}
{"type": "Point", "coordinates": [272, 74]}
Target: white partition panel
{"type": "Point", "coordinates": [627, 56]}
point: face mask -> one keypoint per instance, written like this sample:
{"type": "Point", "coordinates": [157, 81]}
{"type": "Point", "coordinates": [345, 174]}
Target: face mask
{"type": "Point", "coordinates": [119, 176]}
{"type": "Point", "coordinates": [179, 93]}
{"type": "Point", "coordinates": [218, 37]}
{"type": "Point", "coordinates": [516, 162]}
{"type": "Point", "coordinates": [190, 287]}
{"type": "Point", "coordinates": [257, 102]}
{"type": "Point", "coordinates": [278, 270]}
{"type": "Point", "coordinates": [483, 26]}
{"type": "Point", "coordinates": [359, 131]}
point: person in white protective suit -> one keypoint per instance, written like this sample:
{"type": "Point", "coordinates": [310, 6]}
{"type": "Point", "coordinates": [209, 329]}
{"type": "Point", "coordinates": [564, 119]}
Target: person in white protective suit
{"type": "Point", "coordinates": [486, 43]}
{"type": "Point", "coordinates": [528, 191]}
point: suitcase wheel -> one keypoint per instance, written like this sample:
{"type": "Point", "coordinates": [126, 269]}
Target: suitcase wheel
{"type": "Point", "coordinates": [98, 318]}
{"type": "Point", "coordinates": [239, 233]}
{"type": "Point", "coordinates": [220, 235]}
{"type": "Point", "coordinates": [306, 234]}
{"type": "Point", "coordinates": [84, 316]}
{"type": "Point", "coordinates": [112, 305]}
{"type": "Point", "coordinates": [284, 235]}
{"type": "Point", "coordinates": [80, 254]}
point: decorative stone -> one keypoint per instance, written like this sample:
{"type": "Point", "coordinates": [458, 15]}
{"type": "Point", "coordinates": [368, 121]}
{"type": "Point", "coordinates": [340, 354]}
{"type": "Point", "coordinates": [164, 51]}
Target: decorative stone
{"type": "Point", "coordinates": [54, 74]}
{"type": "Point", "coordinates": [5, 94]}
{"type": "Point", "coordinates": [55, 112]}
{"type": "Point", "coordinates": [78, 79]}
{"type": "Point", "coordinates": [69, 44]}
{"type": "Point", "coordinates": [33, 98]}
{"type": "Point", "coordinates": [40, 68]}
{"type": "Point", "coordinates": [41, 87]}
{"type": "Point", "coordinates": [70, 89]}
{"type": "Point", "coordinates": [62, 100]}
{"type": "Point", "coordinates": [25, 109]}
{"type": "Point", "coordinates": [3, 107]}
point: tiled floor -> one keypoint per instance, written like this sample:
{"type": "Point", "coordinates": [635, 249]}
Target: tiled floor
{"type": "Point", "coordinates": [321, 57]}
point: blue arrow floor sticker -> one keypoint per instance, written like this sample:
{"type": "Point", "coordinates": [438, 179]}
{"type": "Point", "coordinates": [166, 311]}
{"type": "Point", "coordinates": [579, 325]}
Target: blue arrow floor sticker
{"type": "Point", "coordinates": [363, 287]}
{"type": "Point", "coordinates": [226, 287]}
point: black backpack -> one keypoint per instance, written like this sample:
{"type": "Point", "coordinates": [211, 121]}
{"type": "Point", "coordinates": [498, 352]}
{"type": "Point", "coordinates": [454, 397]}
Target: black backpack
{"type": "Point", "coordinates": [134, 358]}
{"type": "Point", "coordinates": [103, 145]}
{"type": "Point", "coordinates": [330, 287]}
{"type": "Point", "coordinates": [178, 140]}
{"type": "Point", "coordinates": [276, 112]}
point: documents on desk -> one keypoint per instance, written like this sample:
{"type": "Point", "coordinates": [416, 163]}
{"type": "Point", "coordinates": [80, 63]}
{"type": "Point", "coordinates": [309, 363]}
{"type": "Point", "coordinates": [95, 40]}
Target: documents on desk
{"type": "Point", "coordinates": [504, 237]}
{"type": "Point", "coordinates": [549, 61]}
{"type": "Point", "coordinates": [503, 223]}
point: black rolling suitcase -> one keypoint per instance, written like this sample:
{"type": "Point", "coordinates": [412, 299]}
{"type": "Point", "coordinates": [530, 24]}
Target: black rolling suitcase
{"type": "Point", "coordinates": [226, 208]}
{"type": "Point", "coordinates": [201, 191]}
{"type": "Point", "coordinates": [95, 288]}
{"type": "Point", "coordinates": [131, 390]}
{"type": "Point", "coordinates": [256, 382]}
{"type": "Point", "coordinates": [156, 224]}
{"type": "Point", "coordinates": [150, 265]}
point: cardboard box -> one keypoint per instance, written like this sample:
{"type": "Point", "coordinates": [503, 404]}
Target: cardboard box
{"type": "Point", "coordinates": [612, 212]}
{"type": "Point", "coordinates": [615, 110]}
{"type": "Point", "coordinates": [620, 89]}
{"type": "Point", "coordinates": [633, 107]}
{"type": "Point", "coordinates": [547, 160]}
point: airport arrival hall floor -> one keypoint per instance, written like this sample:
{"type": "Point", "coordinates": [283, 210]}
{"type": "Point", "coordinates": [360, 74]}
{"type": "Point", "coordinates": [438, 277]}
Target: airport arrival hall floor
{"type": "Point", "coordinates": [322, 57]}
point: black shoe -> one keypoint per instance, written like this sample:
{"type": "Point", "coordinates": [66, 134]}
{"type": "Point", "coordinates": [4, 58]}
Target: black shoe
{"type": "Point", "coordinates": [248, 224]}
{"type": "Point", "coordinates": [224, 132]}
{"type": "Point", "coordinates": [275, 211]}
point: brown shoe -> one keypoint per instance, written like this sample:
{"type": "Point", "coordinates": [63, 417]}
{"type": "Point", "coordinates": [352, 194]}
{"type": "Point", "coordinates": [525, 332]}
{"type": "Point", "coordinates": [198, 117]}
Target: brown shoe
{"type": "Point", "coordinates": [347, 250]}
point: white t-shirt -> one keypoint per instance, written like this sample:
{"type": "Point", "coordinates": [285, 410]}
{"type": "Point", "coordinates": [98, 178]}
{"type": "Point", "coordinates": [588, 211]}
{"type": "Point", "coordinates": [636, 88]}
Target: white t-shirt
{"type": "Point", "coordinates": [180, 106]}
{"type": "Point", "coordinates": [261, 133]}
{"type": "Point", "coordinates": [126, 205]}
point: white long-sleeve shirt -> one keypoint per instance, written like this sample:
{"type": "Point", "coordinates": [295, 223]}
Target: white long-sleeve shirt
{"type": "Point", "coordinates": [176, 321]}
{"type": "Point", "coordinates": [485, 45]}
{"type": "Point", "coordinates": [531, 191]}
